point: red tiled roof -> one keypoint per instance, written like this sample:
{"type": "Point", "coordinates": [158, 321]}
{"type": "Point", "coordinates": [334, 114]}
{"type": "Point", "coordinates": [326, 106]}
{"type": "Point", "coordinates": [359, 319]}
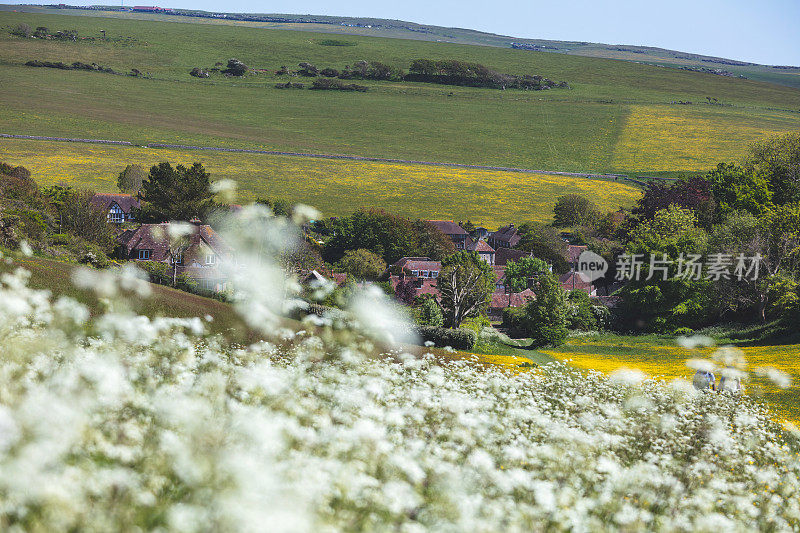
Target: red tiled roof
{"type": "Point", "coordinates": [481, 246]}
{"type": "Point", "coordinates": [448, 227]}
{"type": "Point", "coordinates": [506, 234]}
{"type": "Point", "coordinates": [126, 202]}
{"type": "Point", "coordinates": [501, 300]}
{"type": "Point", "coordinates": [572, 280]}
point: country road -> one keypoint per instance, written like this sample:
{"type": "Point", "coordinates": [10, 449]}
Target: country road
{"type": "Point", "coordinates": [590, 175]}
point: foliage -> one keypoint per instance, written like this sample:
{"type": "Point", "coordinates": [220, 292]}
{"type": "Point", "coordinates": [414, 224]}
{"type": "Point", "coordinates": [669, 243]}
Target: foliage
{"type": "Point", "coordinates": [574, 210]}
{"type": "Point", "coordinates": [427, 312]}
{"type": "Point", "coordinates": [581, 314]}
{"type": "Point", "coordinates": [458, 339]}
{"type": "Point", "coordinates": [465, 284]}
{"type": "Point", "coordinates": [327, 84]}
{"type": "Point", "coordinates": [278, 206]}
{"type": "Point", "coordinates": [735, 189]}
{"type": "Point", "coordinates": [544, 242]}
{"type": "Point", "coordinates": [659, 304]}
{"type": "Point", "coordinates": [432, 243]}
{"type": "Point", "coordinates": [177, 193]}
{"type": "Point", "coordinates": [454, 72]}
{"type": "Point", "coordinates": [694, 194]}
{"type": "Point", "coordinates": [235, 68]}
{"type": "Point", "coordinates": [518, 273]}
{"type": "Point", "coordinates": [362, 264]}
{"type": "Point", "coordinates": [777, 160]}
{"type": "Point", "coordinates": [130, 179]}
{"type": "Point", "coordinates": [77, 215]}
{"type": "Point", "coordinates": [544, 318]}
{"type": "Point", "coordinates": [384, 234]}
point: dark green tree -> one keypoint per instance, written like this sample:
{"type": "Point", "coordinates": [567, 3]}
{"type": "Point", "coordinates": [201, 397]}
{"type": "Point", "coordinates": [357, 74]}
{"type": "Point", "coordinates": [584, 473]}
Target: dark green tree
{"type": "Point", "coordinates": [736, 188]}
{"type": "Point", "coordinates": [777, 160]}
{"type": "Point", "coordinates": [543, 319]}
{"type": "Point", "coordinates": [362, 264]}
{"type": "Point", "coordinates": [177, 193]}
{"type": "Point", "coordinates": [130, 180]}
{"type": "Point", "coordinates": [465, 284]}
{"type": "Point", "coordinates": [574, 210]}
{"type": "Point", "coordinates": [518, 273]}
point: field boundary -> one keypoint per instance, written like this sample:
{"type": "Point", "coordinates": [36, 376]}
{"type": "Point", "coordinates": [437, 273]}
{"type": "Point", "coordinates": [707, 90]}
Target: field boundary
{"type": "Point", "coordinates": [589, 175]}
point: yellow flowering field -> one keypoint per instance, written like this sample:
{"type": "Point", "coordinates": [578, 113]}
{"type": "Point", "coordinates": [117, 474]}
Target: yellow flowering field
{"type": "Point", "coordinates": [668, 361]}
{"type": "Point", "coordinates": [492, 198]}
{"type": "Point", "coordinates": [692, 137]}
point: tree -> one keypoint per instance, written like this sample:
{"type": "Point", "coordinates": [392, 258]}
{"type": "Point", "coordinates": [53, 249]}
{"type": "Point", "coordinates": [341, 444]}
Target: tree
{"type": "Point", "coordinates": [177, 193]}
{"type": "Point", "coordinates": [130, 180]}
{"type": "Point", "coordinates": [693, 194]}
{"type": "Point", "coordinates": [22, 30]}
{"type": "Point", "coordinates": [362, 264]}
{"type": "Point", "coordinates": [386, 235]}
{"type": "Point", "coordinates": [77, 215]}
{"type": "Point", "coordinates": [543, 319]}
{"type": "Point", "coordinates": [431, 242]}
{"type": "Point", "coordinates": [544, 242]}
{"type": "Point", "coordinates": [777, 160]}
{"type": "Point", "coordinates": [427, 311]}
{"type": "Point", "coordinates": [235, 68]}
{"type": "Point", "coordinates": [465, 283]}
{"type": "Point", "coordinates": [580, 312]}
{"type": "Point", "coordinates": [659, 304]}
{"type": "Point", "coordinates": [518, 273]}
{"type": "Point", "coordinates": [574, 210]}
{"type": "Point", "coordinates": [735, 188]}
{"type": "Point", "coordinates": [278, 206]}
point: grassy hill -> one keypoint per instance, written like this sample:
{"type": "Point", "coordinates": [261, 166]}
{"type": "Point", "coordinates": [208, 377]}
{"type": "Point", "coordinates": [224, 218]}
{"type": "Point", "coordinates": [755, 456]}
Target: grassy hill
{"type": "Point", "coordinates": [399, 29]}
{"type": "Point", "coordinates": [619, 116]}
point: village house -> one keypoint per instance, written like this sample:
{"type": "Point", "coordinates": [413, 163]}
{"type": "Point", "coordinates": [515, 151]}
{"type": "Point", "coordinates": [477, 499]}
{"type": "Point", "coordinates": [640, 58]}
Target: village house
{"type": "Point", "coordinates": [505, 237]}
{"type": "Point", "coordinates": [483, 249]}
{"type": "Point", "coordinates": [200, 256]}
{"type": "Point", "coordinates": [456, 233]}
{"type": "Point", "coordinates": [119, 207]}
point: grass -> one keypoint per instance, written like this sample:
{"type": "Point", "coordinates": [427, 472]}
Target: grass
{"type": "Point", "coordinates": [336, 187]}
{"type": "Point", "coordinates": [600, 125]}
{"type": "Point", "coordinates": [662, 357]}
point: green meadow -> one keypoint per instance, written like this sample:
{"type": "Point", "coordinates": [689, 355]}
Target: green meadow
{"type": "Point", "coordinates": [592, 127]}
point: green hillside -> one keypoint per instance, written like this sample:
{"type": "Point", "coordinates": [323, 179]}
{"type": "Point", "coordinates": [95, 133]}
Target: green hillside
{"type": "Point", "coordinates": [618, 116]}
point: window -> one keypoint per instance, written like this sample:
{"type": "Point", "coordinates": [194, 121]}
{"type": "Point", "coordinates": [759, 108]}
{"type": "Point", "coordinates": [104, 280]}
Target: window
{"type": "Point", "coordinates": [423, 273]}
{"type": "Point", "coordinates": [144, 255]}
{"type": "Point", "coordinates": [211, 259]}
{"type": "Point", "coordinates": [115, 214]}
{"type": "Point", "coordinates": [434, 273]}
{"type": "Point", "coordinates": [177, 257]}
{"type": "Point", "coordinates": [208, 284]}
{"type": "Point", "coordinates": [415, 273]}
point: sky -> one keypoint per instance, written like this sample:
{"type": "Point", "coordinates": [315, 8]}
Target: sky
{"type": "Point", "coordinates": [760, 31]}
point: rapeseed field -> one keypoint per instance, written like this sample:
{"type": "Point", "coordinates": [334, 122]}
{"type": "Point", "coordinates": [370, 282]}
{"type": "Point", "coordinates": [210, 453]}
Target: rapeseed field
{"type": "Point", "coordinates": [492, 198]}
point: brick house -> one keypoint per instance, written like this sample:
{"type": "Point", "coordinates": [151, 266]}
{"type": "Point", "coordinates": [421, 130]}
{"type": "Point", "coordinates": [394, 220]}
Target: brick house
{"type": "Point", "coordinates": [118, 206]}
{"type": "Point", "coordinates": [199, 256]}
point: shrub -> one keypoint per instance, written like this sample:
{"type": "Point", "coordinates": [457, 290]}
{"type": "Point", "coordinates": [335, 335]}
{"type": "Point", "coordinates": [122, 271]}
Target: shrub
{"type": "Point", "coordinates": [235, 68]}
{"type": "Point", "coordinates": [60, 239]}
{"type": "Point", "coordinates": [427, 312]}
{"type": "Point", "coordinates": [197, 72]}
{"type": "Point", "coordinates": [289, 85]}
{"type": "Point", "coordinates": [326, 84]}
{"type": "Point", "coordinates": [459, 339]}
{"type": "Point", "coordinates": [329, 72]}
{"type": "Point", "coordinates": [683, 332]}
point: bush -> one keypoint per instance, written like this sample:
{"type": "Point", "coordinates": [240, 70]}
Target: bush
{"type": "Point", "coordinates": [197, 72]}
{"type": "Point", "coordinates": [330, 72]}
{"type": "Point", "coordinates": [683, 332]}
{"type": "Point", "coordinates": [289, 85]}
{"type": "Point", "coordinates": [235, 68]}
{"type": "Point", "coordinates": [326, 84]}
{"type": "Point", "coordinates": [427, 312]}
{"type": "Point", "coordinates": [59, 239]}
{"type": "Point", "coordinates": [459, 339]}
